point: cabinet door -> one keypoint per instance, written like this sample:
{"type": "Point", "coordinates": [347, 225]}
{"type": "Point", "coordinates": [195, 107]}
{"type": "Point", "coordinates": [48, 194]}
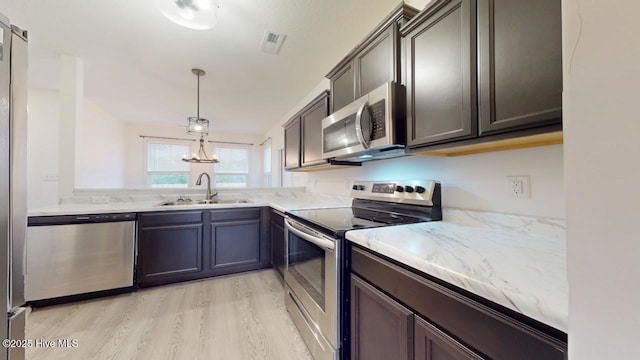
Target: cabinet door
{"type": "Point", "coordinates": [441, 73]}
{"type": "Point", "coordinates": [377, 63]}
{"type": "Point", "coordinates": [278, 255]}
{"type": "Point", "coordinates": [520, 64]}
{"type": "Point", "coordinates": [311, 121]}
{"type": "Point", "coordinates": [433, 344]}
{"type": "Point", "coordinates": [292, 144]}
{"type": "Point", "coordinates": [235, 246]}
{"type": "Point", "coordinates": [381, 328]}
{"type": "Point", "coordinates": [343, 89]}
{"type": "Point", "coordinates": [169, 253]}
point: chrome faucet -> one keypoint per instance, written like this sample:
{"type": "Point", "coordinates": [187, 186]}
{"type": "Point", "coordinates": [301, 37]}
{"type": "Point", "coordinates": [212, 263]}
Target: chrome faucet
{"type": "Point", "coordinates": [210, 194]}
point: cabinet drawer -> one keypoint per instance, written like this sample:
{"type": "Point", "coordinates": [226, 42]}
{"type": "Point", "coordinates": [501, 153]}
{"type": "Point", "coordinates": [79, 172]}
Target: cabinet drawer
{"type": "Point", "coordinates": [484, 329]}
{"type": "Point", "coordinates": [235, 214]}
{"type": "Point", "coordinates": [165, 218]}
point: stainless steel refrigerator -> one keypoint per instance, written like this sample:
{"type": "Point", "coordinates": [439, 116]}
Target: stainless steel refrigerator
{"type": "Point", "coordinates": [13, 183]}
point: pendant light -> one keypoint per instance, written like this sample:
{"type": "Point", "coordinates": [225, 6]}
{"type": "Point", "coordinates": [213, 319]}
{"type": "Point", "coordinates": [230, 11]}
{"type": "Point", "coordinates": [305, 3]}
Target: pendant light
{"type": "Point", "coordinates": [200, 127]}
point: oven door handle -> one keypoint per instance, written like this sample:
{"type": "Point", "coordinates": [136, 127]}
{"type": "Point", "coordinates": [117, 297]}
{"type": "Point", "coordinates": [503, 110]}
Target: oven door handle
{"type": "Point", "coordinates": [323, 243]}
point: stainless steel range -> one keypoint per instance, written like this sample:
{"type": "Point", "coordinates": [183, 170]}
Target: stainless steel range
{"type": "Point", "coordinates": [314, 284]}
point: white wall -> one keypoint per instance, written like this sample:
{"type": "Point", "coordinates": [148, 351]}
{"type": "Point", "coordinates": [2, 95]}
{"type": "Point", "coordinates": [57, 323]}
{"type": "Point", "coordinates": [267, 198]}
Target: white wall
{"type": "Point", "coordinates": [602, 152]}
{"type": "Point", "coordinates": [471, 182]}
{"type": "Point", "coordinates": [42, 148]}
{"type": "Point", "coordinates": [100, 146]}
{"type": "Point", "coordinates": [135, 153]}
{"type": "Point", "coordinates": [101, 149]}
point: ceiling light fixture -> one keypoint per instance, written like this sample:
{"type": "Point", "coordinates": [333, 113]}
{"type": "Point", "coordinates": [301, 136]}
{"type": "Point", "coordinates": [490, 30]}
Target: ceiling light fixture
{"type": "Point", "coordinates": [192, 14]}
{"type": "Point", "coordinates": [200, 127]}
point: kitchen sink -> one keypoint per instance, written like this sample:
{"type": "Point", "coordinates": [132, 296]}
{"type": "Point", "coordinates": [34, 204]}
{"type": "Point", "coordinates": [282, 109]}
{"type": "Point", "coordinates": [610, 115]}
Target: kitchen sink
{"type": "Point", "coordinates": [203, 202]}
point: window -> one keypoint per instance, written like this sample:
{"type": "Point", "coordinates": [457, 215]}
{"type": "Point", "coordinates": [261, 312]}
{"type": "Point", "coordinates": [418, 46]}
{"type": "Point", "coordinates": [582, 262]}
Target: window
{"type": "Point", "coordinates": [233, 168]}
{"type": "Point", "coordinates": [165, 168]}
{"type": "Point", "coordinates": [266, 179]}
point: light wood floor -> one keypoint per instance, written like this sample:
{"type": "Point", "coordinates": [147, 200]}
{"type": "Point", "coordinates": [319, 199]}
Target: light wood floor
{"type": "Point", "coordinates": [233, 317]}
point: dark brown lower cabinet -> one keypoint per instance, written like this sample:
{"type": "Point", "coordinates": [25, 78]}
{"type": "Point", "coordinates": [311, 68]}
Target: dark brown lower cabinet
{"type": "Point", "coordinates": [400, 314]}
{"type": "Point", "coordinates": [170, 247]}
{"type": "Point", "coordinates": [381, 328]}
{"type": "Point", "coordinates": [278, 250]}
{"type": "Point", "coordinates": [433, 344]}
{"type": "Point", "coordinates": [238, 241]}
{"type": "Point", "coordinates": [185, 245]}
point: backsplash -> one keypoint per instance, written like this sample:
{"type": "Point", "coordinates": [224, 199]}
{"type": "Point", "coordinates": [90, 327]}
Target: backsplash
{"type": "Point", "coordinates": [517, 224]}
{"type": "Point", "coordinates": [476, 182]}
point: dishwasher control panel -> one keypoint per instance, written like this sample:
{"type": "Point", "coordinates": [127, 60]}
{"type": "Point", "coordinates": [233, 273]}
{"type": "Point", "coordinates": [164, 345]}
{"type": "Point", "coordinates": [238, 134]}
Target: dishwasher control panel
{"type": "Point", "coordinates": [79, 219]}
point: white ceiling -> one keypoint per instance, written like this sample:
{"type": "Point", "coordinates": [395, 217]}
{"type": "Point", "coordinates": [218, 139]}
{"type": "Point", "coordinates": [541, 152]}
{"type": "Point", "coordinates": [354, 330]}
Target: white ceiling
{"type": "Point", "coordinates": [137, 64]}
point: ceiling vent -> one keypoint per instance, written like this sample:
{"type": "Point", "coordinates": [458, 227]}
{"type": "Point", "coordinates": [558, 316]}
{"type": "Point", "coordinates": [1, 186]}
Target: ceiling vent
{"type": "Point", "coordinates": [272, 42]}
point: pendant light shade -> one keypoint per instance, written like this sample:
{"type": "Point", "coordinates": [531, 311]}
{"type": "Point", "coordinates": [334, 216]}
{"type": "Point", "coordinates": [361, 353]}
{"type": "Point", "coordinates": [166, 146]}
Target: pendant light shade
{"type": "Point", "coordinates": [199, 127]}
{"type": "Point", "coordinates": [192, 14]}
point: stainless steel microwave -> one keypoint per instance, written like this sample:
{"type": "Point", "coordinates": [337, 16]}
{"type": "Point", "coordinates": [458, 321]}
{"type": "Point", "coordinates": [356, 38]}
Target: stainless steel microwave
{"type": "Point", "coordinates": [371, 127]}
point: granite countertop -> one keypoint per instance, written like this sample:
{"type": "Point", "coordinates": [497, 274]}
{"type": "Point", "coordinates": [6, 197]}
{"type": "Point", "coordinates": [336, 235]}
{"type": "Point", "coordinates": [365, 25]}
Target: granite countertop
{"type": "Point", "coordinates": [516, 261]}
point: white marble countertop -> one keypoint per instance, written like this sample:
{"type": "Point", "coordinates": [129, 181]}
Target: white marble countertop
{"type": "Point", "coordinates": [516, 261]}
{"type": "Point", "coordinates": [282, 200]}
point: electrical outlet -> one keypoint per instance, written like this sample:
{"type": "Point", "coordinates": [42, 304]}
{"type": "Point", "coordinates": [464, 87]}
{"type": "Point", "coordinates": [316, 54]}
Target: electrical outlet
{"type": "Point", "coordinates": [518, 187]}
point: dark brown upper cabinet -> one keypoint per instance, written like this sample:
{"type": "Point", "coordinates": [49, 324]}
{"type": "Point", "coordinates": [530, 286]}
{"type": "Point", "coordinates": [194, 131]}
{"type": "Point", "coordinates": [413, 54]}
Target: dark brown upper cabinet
{"type": "Point", "coordinates": [292, 143]}
{"type": "Point", "coordinates": [343, 87]}
{"type": "Point", "coordinates": [483, 72]}
{"type": "Point", "coordinates": [373, 62]}
{"type": "Point", "coordinates": [520, 64]}
{"type": "Point", "coordinates": [441, 74]}
{"type": "Point", "coordinates": [311, 121]}
{"type": "Point", "coordinates": [303, 134]}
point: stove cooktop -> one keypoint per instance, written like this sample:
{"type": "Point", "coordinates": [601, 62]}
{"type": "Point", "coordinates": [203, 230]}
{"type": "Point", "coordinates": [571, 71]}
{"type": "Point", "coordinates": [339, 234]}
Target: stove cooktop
{"type": "Point", "coordinates": [339, 220]}
{"type": "Point", "coordinates": [378, 203]}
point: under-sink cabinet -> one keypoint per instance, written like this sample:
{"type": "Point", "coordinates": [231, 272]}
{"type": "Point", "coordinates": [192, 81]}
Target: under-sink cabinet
{"type": "Point", "coordinates": [170, 247]}
{"type": "Point", "coordinates": [401, 314]}
{"type": "Point", "coordinates": [238, 240]}
{"type": "Point", "coordinates": [185, 245]}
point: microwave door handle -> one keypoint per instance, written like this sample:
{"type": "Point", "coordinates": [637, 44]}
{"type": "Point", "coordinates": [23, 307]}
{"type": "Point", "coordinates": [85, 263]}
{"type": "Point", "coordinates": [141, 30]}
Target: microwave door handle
{"type": "Point", "coordinates": [323, 243]}
{"type": "Point", "coordinates": [359, 132]}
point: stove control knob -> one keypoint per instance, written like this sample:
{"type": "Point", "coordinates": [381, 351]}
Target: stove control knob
{"type": "Point", "coordinates": [420, 189]}
{"type": "Point", "coordinates": [399, 188]}
{"type": "Point", "coordinates": [361, 187]}
{"type": "Point", "coordinates": [355, 187]}
{"type": "Point", "coordinates": [408, 189]}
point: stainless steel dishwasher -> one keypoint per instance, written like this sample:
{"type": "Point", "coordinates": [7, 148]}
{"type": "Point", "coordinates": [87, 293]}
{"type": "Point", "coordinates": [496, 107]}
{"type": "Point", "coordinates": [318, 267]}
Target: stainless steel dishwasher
{"type": "Point", "coordinates": [71, 255]}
